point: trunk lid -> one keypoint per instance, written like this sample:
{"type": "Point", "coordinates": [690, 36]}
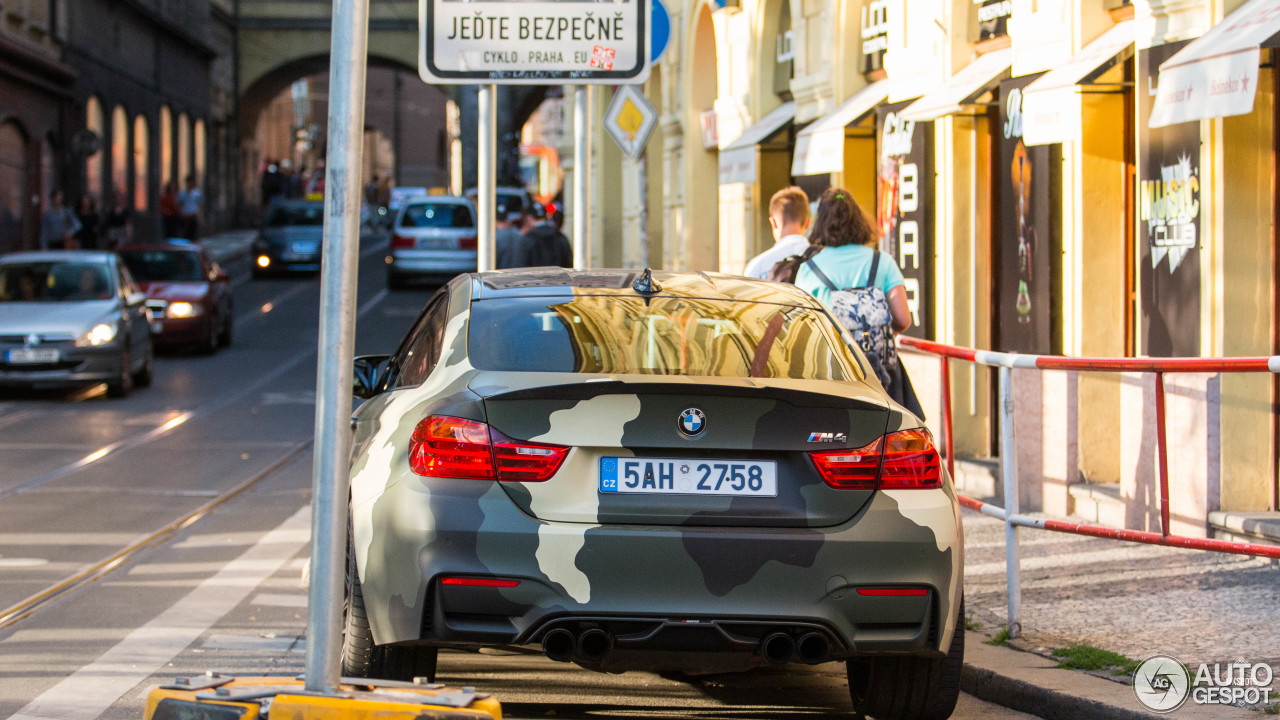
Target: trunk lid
{"type": "Point", "coordinates": [744, 423]}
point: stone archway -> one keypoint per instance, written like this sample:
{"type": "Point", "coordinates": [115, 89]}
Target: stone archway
{"type": "Point", "coordinates": [700, 233]}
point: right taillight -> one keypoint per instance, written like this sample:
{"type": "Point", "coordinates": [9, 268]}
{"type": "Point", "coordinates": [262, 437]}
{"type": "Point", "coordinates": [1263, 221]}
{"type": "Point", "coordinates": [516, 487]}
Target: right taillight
{"type": "Point", "coordinates": [400, 242]}
{"type": "Point", "coordinates": [900, 460]}
{"type": "Point", "coordinates": [458, 448]}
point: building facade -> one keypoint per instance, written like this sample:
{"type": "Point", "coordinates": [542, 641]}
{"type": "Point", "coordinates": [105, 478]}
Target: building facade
{"type": "Point", "coordinates": [1008, 153]}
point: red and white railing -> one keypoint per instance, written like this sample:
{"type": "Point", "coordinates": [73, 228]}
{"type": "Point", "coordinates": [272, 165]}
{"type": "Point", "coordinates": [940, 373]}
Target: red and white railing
{"type": "Point", "coordinates": [1006, 363]}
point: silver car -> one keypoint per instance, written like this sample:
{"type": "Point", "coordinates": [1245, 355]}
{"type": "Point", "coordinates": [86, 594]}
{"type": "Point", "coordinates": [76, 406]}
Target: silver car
{"type": "Point", "coordinates": [432, 238]}
{"type": "Point", "coordinates": [71, 318]}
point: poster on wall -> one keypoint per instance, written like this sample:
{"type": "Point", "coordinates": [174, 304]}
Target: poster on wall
{"type": "Point", "coordinates": [904, 206]}
{"type": "Point", "coordinates": [993, 18]}
{"type": "Point", "coordinates": [1168, 208]}
{"type": "Point", "coordinates": [1030, 202]}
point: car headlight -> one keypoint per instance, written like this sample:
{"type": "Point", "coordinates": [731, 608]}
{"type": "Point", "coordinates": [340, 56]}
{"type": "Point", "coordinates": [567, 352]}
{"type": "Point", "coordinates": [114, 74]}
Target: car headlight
{"type": "Point", "coordinates": [101, 334]}
{"type": "Point", "coordinates": [182, 310]}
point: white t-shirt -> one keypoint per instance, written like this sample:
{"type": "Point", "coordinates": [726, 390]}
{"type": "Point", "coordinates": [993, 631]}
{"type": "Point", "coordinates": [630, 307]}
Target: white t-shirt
{"type": "Point", "coordinates": [786, 246]}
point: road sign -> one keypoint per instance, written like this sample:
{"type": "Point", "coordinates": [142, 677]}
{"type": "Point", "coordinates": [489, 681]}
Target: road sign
{"type": "Point", "coordinates": [659, 30]}
{"type": "Point", "coordinates": [571, 42]}
{"type": "Point", "coordinates": [630, 120]}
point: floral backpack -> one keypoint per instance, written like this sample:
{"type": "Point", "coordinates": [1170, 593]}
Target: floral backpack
{"type": "Point", "coordinates": [864, 312]}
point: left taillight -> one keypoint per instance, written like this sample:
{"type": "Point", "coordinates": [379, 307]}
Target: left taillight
{"type": "Point", "coordinates": [902, 460]}
{"type": "Point", "coordinates": [467, 243]}
{"type": "Point", "coordinates": [459, 448]}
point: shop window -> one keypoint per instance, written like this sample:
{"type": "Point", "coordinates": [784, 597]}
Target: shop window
{"type": "Point", "coordinates": [200, 150]}
{"type": "Point", "coordinates": [93, 121]}
{"type": "Point", "coordinates": [166, 146]}
{"type": "Point", "coordinates": [120, 153]}
{"type": "Point", "coordinates": [13, 186]}
{"type": "Point", "coordinates": [184, 148]}
{"type": "Point", "coordinates": [784, 52]}
{"type": "Point", "coordinates": [140, 146]}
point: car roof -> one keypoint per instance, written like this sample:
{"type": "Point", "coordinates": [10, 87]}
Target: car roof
{"type": "Point", "coordinates": [436, 200]}
{"type": "Point", "coordinates": [143, 247]}
{"type": "Point", "coordinates": [542, 282]}
{"type": "Point", "coordinates": [102, 256]}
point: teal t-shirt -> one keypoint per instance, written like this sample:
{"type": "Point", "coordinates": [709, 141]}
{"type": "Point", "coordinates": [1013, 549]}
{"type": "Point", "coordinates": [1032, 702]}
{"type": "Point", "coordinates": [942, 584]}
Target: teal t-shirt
{"type": "Point", "coordinates": [848, 266]}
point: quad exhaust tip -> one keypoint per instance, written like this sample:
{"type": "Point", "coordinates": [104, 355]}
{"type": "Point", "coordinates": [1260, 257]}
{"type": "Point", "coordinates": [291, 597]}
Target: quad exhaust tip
{"type": "Point", "coordinates": [594, 644]}
{"type": "Point", "coordinates": [778, 648]}
{"type": "Point", "coordinates": [559, 645]}
{"type": "Point", "coordinates": [813, 648]}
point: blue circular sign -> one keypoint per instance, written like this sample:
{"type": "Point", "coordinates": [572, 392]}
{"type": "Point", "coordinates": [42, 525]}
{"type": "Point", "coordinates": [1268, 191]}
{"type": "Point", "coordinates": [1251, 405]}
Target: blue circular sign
{"type": "Point", "coordinates": [692, 422]}
{"type": "Point", "coordinates": [659, 30]}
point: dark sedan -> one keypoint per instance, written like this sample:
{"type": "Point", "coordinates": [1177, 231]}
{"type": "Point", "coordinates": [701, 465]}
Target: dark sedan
{"type": "Point", "coordinates": [291, 237]}
{"type": "Point", "coordinates": [188, 294]}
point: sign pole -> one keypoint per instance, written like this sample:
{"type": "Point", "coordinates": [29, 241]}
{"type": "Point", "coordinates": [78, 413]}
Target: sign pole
{"type": "Point", "coordinates": [330, 480]}
{"type": "Point", "coordinates": [486, 177]}
{"type": "Point", "coordinates": [581, 174]}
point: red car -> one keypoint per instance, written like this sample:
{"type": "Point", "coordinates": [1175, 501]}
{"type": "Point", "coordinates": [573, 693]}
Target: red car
{"type": "Point", "coordinates": [188, 295]}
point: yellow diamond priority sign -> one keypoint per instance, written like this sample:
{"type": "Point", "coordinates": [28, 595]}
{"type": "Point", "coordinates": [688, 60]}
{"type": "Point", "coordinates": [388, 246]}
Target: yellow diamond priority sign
{"type": "Point", "coordinates": [630, 120]}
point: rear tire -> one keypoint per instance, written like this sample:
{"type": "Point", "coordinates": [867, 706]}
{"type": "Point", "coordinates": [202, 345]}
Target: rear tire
{"type": "Point", "coordinates": [361, 657]}
{"type": "Point", "coordinates": [395, 281]}
{"type": "Point", "coordinates": [909, 688]}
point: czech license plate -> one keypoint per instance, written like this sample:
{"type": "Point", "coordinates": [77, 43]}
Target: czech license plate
{"type": "Point", "coordinates": [32, 356]}
{"type": "Point", "coordinates": [688, 477]}
{"type": "Point", "coordinates": [157, 327]}
{"type": "Point", "coordinates": [303, 248]}
{"type": "Point", "coordinates": [435, 243]}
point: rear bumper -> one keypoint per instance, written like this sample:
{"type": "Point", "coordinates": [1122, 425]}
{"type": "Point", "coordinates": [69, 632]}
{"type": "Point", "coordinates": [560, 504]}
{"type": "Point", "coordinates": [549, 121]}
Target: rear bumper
{"type": "Point", "coordinates": [694, 588]}
{"type": "Point", "coordinates": [184, 331]}
{"type": "Point", "coordinates": [434, 263]}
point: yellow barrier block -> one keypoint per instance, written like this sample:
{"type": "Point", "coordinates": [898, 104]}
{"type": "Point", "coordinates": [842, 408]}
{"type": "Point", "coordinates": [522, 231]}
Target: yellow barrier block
{"type": "Point", "coordinates": [219, 697]}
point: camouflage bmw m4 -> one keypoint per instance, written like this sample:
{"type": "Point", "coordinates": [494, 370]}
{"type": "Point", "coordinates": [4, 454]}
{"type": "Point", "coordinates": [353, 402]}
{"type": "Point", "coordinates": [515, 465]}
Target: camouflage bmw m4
{"type": "Point", "coordinates": [673, 472]}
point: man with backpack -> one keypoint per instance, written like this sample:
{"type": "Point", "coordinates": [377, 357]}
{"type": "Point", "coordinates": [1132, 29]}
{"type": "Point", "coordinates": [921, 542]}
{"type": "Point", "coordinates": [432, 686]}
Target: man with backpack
{"type": "Point", "coordinates": [789, 218]}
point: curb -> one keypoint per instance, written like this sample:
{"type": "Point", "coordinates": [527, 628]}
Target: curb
{"type": "Point", "coordinates": [1027, 697]}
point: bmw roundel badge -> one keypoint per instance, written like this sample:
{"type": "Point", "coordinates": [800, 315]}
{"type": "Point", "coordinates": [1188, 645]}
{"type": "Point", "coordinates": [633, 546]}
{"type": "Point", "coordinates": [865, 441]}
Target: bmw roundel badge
{"type": "Point", "coordinates": [692, 422]}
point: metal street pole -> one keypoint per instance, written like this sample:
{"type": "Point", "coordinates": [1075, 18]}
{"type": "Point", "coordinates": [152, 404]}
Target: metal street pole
{"type": "Point", "coordinates": [581, 175]}
{"type": "Point", "coordinates": [330, 481]}
{"type": "Point", "coordinates": [486, 176]}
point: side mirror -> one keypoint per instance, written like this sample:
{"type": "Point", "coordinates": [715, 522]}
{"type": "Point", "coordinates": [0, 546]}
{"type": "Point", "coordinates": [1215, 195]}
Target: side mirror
{"type": "Point", "coordinates": [369, 372]}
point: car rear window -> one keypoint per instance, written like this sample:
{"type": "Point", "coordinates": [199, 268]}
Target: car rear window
{"type": "Point", "coordinates": [310, 214]}
{"type": "Point", "coordinates": [658, 336]}
{"type": "Point", "coordinates": [437, 215]}
{"type": "Point", "coordinates": [164, 265]}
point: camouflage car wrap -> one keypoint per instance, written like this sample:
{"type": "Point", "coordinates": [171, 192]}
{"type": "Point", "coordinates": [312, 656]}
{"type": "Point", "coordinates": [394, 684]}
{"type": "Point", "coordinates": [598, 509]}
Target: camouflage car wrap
{"type": "Point", "coordinates": [713, 575]}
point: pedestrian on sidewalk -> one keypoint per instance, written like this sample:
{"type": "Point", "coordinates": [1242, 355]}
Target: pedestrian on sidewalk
{"type": "Point", "coordinates": [544, 245]}
{"type": "Point", "coordinates": [191, 204]}
{"type": "Point", "coordinates": [170, 216]}
{"type": "Point", "coordinates": [863, 287]}
{"type": "Point", "coordinates": [117, 229]}
{"type": "Point", "coordinates": [789, 219]}
{"type": "Point", "coordinates": [59, 225]}
{"type": "Point", "coordinates": [506, 239]}
{"type": "Point", "coordinates": [90, 223]}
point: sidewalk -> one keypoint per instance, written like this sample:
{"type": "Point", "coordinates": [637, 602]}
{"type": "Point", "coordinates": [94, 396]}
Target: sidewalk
{"type": "Point", "coordinates": [1136, 600]}
{"type": "Point", "coordinates": [228, 246]}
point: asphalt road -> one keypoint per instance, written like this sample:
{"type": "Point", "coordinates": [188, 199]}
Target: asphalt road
{"type": "Point", "coordinates": [83, 477]}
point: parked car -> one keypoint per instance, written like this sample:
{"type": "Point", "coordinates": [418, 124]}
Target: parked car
{"type": "Point", "coordinates": [669, 472]}
{"type": "Point", "coordinates": [291, 238]}
{"type": "Point", "coordinates": [515, 199]}
{"type": "Point", "coordinates": [433, 237]}
{"type": "Point", "coordinates": [72, 317]}
{"type": "Point", "coordinates": [188, 294]}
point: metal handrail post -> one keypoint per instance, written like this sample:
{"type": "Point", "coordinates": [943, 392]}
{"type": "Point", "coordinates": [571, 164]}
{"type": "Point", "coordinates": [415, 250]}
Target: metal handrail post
{"type": "Point", "coordinates": [947, 423]}
{"type": "Point", "coordinates": [486, 176]}
{"type": "Point", "coordinates": [330, 479]}
{"type": "Point", "coordinates": [1009, 473]}
{"type": "Point", "coordinates": [581, 176]}
{"type": "Point", "coordinates": [1162, 450]}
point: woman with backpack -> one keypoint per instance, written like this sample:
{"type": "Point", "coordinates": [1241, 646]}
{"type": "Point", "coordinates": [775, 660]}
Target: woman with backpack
{"type": "Point", "coordinates": [863, 287]}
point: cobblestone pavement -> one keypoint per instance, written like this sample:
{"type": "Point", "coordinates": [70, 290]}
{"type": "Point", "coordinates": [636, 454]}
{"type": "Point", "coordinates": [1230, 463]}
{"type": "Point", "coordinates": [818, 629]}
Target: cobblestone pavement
{"type": "Point", "coordinates": [1137, 600]}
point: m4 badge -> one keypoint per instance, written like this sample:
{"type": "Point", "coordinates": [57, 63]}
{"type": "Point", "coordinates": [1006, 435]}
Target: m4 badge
{"type": "Point", "coordinates": [819, 437]}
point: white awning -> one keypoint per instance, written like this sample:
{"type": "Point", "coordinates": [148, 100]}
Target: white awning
{"type": "Point", "coordinates": [1050, 105]}
{"type": "Point", "coordinates": [820, 147]}
{"type": "Point", "coordinates": [963, 87]}
{"type": "Point", "coordinates": [1216, 75]}
{"type": "Point", "coordinates": [738, 158]}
